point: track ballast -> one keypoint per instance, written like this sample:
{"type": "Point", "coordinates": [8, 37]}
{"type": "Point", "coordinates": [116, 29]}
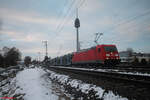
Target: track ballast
{"type": "Point", "coordinates": [136, 79]}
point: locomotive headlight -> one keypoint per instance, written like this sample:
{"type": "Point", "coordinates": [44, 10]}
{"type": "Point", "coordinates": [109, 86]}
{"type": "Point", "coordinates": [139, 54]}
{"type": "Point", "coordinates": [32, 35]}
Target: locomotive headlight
{"type": "Point", "coordinates": [107, 54]}
{"type": "Point", "coordinates": [116, 55]}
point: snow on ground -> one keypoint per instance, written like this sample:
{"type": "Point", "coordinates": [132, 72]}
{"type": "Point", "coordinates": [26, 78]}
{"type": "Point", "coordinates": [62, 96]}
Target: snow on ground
{"type": "Point", "coordinates": [31, 84]}
{"type": "Point", "coordinates": [123, 72]}
{"type": "Point", "coordinates": [34, 84]}
{"type": "Point", "coordinates": [84, 87]}
{"type": "Point", "coordinates": [1, 69]}
{"type": "Point", "coordinates": [135, 73]}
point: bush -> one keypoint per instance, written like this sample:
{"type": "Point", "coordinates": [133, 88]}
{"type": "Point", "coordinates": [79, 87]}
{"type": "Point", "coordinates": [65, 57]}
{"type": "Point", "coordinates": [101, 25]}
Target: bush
{"type": "Point", "coordinates": [136, 61]}
{"type": "Point", "coordinates": [27, 60]}
{"type": "Point", "coordinates": [1, 61]}
{"type": "Point", "coordinates": [10, 57]}
{"type": "Point", "coordinates": [143, 62]}
{"type": "Point", "coordinates": [149, 61]}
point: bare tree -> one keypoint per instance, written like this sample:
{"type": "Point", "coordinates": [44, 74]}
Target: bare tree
{"type": "Point", "coordinates": [9, 57]}
{"type": "Point", "coordinates": [12, 56]}
{"type": "Point", "coordinates": [27, 60]}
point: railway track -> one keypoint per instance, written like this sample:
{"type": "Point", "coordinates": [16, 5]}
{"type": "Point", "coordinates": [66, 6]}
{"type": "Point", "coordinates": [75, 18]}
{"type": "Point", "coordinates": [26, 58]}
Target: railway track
{"type": "Point", "coordinates": [141, 70]}
{"type": "Point", "coordinates": [136, 79]}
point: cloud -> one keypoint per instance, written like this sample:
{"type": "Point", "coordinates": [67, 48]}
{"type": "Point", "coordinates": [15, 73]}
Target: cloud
{"type": "Point", "coordinates": [28, 17]}
{"type": "Point", "coordinates": [28, 38]}
{"type": "Point", "coordinates": [131, 32]}
{"type": "Point", "coordinates": [26, 29]}
{"type": "Point", "coordinates": [1, 24]}
{"type": "Point", "coordinates": [19, 36]}
{"type": "Point", "coordinates": [91, 6]}
{"type": "Point", "coordinates": [7, 34]}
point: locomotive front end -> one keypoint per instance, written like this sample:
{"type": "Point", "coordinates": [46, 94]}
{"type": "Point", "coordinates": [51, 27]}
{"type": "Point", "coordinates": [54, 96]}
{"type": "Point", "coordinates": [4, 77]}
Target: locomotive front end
{"type": "Point", "coordinates": [111, 55]}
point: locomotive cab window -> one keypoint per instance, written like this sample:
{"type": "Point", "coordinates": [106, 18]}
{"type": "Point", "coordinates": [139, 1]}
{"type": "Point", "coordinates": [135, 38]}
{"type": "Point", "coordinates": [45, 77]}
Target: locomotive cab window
{"type": "Point", "coordinates": [110, 48]}
{"type": "Point", "coordinates": [99, 49]}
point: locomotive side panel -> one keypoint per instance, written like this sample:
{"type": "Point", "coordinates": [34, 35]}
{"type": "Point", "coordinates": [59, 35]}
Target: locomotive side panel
{"type": "Point", "coordinates": [89, 56]}
{"type": "Point", "coordinates": [101, 54]}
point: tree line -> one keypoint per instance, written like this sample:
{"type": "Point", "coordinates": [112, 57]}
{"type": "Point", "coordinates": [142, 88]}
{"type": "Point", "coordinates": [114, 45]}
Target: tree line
{"type": "Point", "coordinates": [9, 57]}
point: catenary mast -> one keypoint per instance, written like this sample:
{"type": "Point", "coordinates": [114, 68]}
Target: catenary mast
{"type": "Point", "coordinates": [46, 53]}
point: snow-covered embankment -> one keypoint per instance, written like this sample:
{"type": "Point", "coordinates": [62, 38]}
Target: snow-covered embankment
{"type": "Point", "coordinates": [83, 91]}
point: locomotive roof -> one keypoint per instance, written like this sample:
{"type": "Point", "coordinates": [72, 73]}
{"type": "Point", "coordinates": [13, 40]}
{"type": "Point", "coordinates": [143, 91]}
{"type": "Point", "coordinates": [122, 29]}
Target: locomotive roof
{"type": "Point", "coordinates": [94, 47]}
{"type": "Point", "coordinates": [87, 49]}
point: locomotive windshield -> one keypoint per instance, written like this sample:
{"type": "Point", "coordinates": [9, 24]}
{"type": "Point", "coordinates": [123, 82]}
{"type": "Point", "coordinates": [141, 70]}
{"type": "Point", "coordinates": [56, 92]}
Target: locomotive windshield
{"type": "Point", "coordinates": [110, 48]}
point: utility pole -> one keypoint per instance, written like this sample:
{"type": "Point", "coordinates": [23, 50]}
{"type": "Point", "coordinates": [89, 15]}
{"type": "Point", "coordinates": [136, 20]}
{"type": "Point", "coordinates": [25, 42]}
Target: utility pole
{"type": "Point", "coordinates": [77, 25]}
{"type": "Point", "coordinates": [39, 53]}
{"type": "Point", "coordinates": [45, 43]}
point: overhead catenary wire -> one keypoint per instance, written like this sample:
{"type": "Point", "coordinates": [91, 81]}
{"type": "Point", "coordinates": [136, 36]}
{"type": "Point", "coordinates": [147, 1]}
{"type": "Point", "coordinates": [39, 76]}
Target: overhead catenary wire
{"type": "Point", "coordinates": [64, 17]}
{"type": "Point", "coordinates": [120, 24]}
{"type": "Point", "coordinates": [65, 21]}
{"type": "Point", "coordinates": [68, 16]}
{"type": "Point", "coordinates": [80, 5]}
{"type": "Point", "coordinates": [129, 20]}
{"type": "Point", "coordinates": [60, 13]}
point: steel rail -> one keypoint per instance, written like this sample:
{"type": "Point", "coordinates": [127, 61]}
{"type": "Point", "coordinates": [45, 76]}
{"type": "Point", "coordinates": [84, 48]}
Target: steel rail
{"type": "Point", "coordinates": [145, 80]}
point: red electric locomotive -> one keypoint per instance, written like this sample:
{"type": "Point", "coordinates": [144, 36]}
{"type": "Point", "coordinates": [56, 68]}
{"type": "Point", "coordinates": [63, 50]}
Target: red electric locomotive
{"type": "Point", "coordinates": [98, 55]}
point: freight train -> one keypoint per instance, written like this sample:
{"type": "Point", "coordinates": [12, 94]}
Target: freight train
{"type": "Point", "coordinates": [97, 55]}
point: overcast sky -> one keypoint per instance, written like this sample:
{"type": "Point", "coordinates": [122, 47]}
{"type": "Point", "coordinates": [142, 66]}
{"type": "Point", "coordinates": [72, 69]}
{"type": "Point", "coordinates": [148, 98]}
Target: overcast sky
{"type": "Point", "coordinates": [24, 24]}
